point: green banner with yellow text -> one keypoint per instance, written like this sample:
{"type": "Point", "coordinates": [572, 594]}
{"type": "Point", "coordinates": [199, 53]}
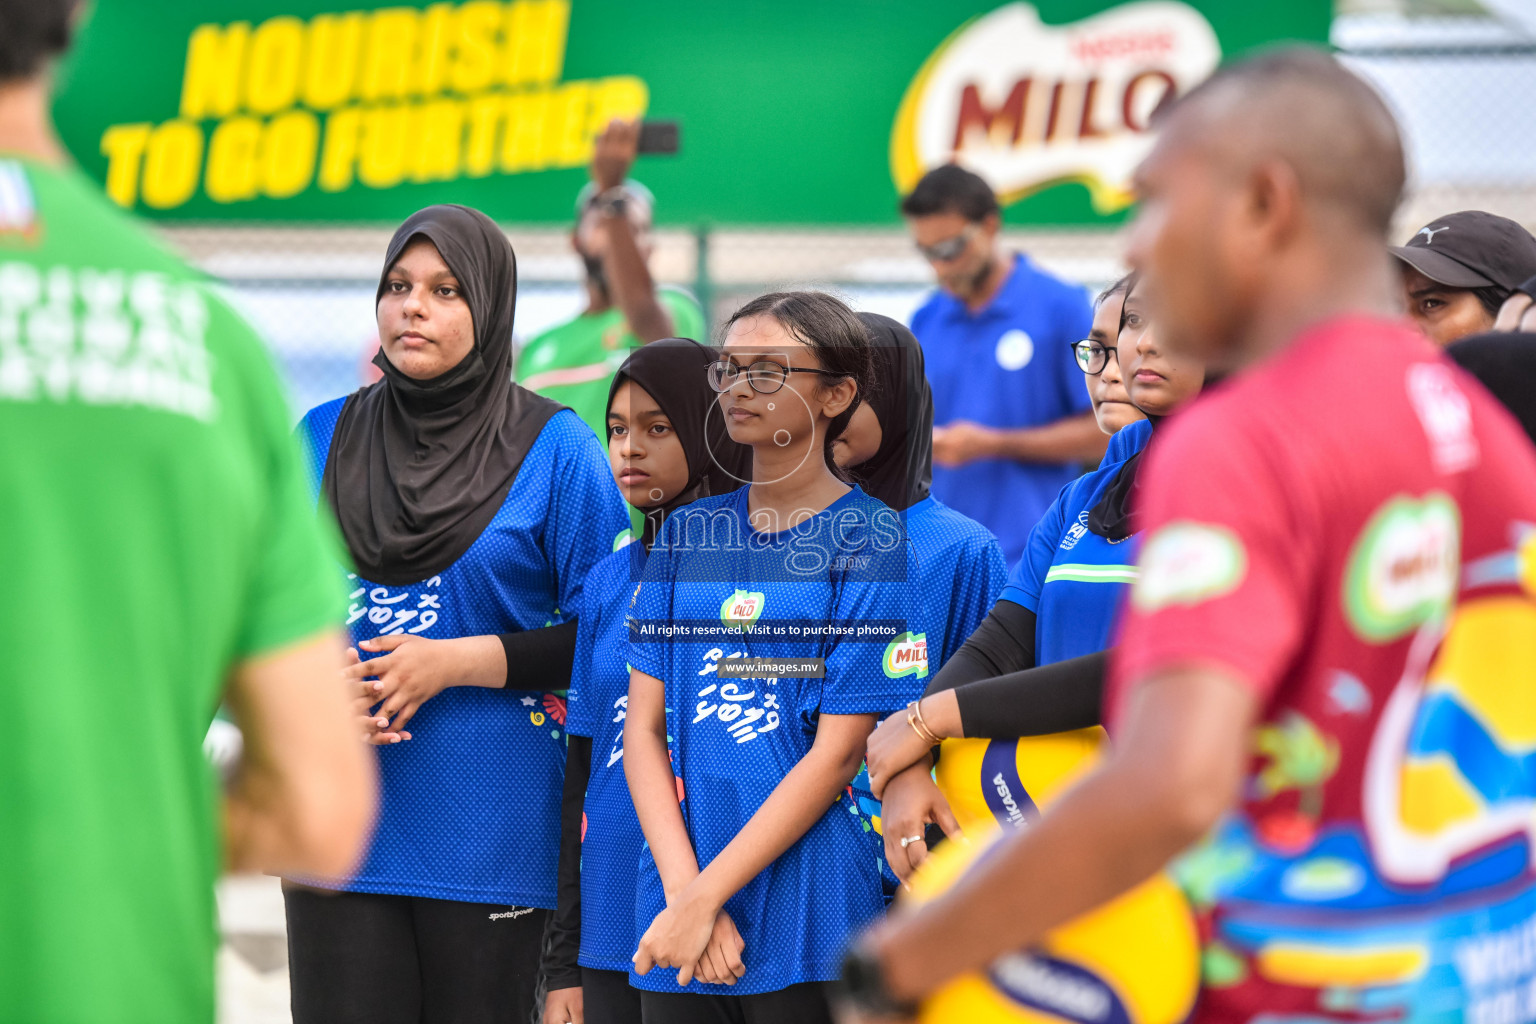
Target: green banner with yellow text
{"type": "Point", "coordinates": [791, 111]}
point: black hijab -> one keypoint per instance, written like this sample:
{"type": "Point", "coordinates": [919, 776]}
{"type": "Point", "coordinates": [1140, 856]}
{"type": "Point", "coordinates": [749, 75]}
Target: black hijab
{"type": "Point", "coordinates": [418, 468]}
{"type": "Point", "coordinates": [1112, 517]}
{"type": "Point", "coordinates": [1506, 366]}
{"type": "Point", "coordinates": [673, 372]}
{"type": "Point", "coordinates": [901, 469]}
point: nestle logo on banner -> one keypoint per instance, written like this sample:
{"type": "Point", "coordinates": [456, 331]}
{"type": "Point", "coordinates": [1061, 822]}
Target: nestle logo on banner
{"type": "Point", "coordinates": [1028, 105]}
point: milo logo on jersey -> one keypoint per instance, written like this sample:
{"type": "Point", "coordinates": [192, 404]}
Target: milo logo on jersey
{"type": "Point", "coordinates": [907, 655]}
{"type": "Point", "coordinates": [741, 610]}
{"type": "Point", "coordinates": [1403, 570]}
{"type": "Point", "coordinates": [1028, 105]}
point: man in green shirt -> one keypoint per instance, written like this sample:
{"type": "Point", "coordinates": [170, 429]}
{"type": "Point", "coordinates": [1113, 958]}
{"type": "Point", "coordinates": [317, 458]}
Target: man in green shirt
{"type": "Point", "coordinates": [574, 362]}
{"type": "Point", "coordinates": [160, 553]}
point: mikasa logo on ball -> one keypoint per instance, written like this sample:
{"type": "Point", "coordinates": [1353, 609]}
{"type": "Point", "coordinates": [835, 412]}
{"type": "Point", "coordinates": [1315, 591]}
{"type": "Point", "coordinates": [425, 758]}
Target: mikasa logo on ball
{"type": "Point", "coordinates": [1058, 987]}
{"type": "Point", "coordinates": [1028, 105]}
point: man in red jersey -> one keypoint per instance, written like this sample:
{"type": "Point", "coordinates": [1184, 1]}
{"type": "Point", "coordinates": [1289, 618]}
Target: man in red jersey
{"type": "Point", "coordinates": [1327, 664]}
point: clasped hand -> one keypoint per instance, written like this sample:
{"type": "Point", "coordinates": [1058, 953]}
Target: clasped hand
{"type": "Point", "coordinates": [412, 670]}
{"type": "Point", "coordinates": [893, 747]}
{"type": "Point", "coordinates": [700, 940]}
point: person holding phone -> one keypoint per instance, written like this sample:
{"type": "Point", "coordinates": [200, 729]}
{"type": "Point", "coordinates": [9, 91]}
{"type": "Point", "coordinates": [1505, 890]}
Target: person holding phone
{"type": "Point", "coordinates": [756, 868]}
{"type": "Point", "coordinates": [573, 363]}
{"type": "Point", "coordinates": [1011, 421]}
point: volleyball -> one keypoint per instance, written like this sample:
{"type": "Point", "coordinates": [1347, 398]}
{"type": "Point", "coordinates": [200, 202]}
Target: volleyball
{"type": "Point", "coordinates": [1134, 960]}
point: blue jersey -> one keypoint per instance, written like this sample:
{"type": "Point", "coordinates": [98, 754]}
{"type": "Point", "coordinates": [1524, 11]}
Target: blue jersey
{"type": "Point", "coordinates": [1070, 577]}
{"type": "Point", "coordinates": [599, 697]}
{"type": "Point", "coordinates": [960, 571]}
{"type": "Point", "coordinates": [1008, 366]}
{"type": "Point", "coordinates": [470, 807]}
{"type": "Point", "coordinates": [847, 569]}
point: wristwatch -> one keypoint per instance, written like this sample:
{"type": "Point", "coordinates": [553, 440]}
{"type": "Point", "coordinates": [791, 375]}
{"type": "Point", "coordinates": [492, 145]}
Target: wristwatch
{"type": "Point", "coordinates": [613, 202]}
{"type": "Point", "coordinates": [863, 985]}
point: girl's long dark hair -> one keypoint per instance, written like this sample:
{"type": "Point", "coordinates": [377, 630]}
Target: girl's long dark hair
{"type": "Point", "coordinates": [834, 333]}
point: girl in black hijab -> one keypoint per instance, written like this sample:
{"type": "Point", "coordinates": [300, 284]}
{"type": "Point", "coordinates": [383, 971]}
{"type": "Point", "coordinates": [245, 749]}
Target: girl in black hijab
{"type": "Point", "coordinates": [960, 563]}
{"type": "Point", "coordinates": [888, 444]}
{"type": "Point", "coordinates": [472, 510]}
{"type": "Point", "coordinates": [667, 446]}
{"type": "Point", "coordinates": [1060, 602]}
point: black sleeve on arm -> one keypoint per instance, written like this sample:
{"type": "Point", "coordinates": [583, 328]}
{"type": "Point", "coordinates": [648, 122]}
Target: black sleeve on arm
{"type": "Point", "coordinates": [564, 942]}
{"type": "Point", "coordinates": [1059, 697]}
{"type": "Point", "coordinates": [543, 657]}
{"type": "Point", "coordinates": [1003, 643]}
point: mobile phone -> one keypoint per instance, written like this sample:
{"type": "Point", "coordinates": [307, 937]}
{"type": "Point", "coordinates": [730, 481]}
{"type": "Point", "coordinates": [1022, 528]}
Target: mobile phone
{"type": "Point", "coordinates": [658, 138]}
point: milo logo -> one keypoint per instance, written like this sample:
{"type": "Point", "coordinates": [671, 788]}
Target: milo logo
{"type": "Point", "coordinates": [740, 611]}
{"type": "Point", "coordinates": [1187, 563]}
{"type": "Point", "coordinates": [907, 655]}
{"type": "Point", "coordinates": [1404, 567]}
{"type": "Point", "coordinates": [1028, 105]}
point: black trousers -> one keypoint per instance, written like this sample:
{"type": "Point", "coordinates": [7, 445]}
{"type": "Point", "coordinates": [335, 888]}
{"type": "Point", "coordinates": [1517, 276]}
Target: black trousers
{"type": "Point", "coordinates": [362, 958]}
{"type": "Point", "coordinates": [806, 1003]}
{"type": "Point", "coordinates": [606, 998]}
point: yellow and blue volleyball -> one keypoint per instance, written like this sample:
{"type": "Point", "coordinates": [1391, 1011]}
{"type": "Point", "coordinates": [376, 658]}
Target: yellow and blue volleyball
{"type": "Point", "coordinates": [1135, 960]}
{"type": "Point", "coordinates": [1001, 782]}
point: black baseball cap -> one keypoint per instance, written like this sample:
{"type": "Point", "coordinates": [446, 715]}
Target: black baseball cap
{"type": "Point", "coordinates": [1471, 249]}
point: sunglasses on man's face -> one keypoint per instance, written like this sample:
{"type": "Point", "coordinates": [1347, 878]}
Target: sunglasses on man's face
{"type": "Point", "coordinates": [950, 248]}
{"type": "Point", "coordinates": [763, 376]}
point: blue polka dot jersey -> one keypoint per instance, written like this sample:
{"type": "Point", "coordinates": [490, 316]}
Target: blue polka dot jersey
{"type": "Point", "coordinates": [470, 807]}
{"type": "Point", "coordinates": [734, 739]}
{"type": "Point", "coordinates": [611, 840]}
{"type": "Point", "coordinates": [960, 573]}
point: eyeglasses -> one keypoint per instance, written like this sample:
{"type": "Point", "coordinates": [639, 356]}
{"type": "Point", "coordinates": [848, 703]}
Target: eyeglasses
{"type": "Point", "coordinates": [764, 376]}
{"type": "Point", "coordinates": [1093, 356]}
{"type": "Point", "coordinates": [950, 248]}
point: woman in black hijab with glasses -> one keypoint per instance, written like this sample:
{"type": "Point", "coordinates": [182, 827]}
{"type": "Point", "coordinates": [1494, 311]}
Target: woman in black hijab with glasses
{"type": "Point", "coordinates": [472, 510]}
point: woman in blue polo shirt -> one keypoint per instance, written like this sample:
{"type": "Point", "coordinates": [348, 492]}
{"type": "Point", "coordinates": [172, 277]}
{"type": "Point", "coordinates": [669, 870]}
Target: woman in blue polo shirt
{"type": "Point", "coordinates": [751, 885]}
{"type": "Point", "coordinates": [888, 450]}
{"type": "Point", "coordinates": [472, 510]}
{"type": "Point", "coordinates": [667, 446]}
{"type": "Point", "coordinates": [1060, 601]}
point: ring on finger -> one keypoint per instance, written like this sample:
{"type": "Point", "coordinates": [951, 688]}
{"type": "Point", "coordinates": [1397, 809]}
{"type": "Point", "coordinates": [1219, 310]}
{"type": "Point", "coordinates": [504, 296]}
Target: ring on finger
{"type": "Point", "coordinates": [907, 841]}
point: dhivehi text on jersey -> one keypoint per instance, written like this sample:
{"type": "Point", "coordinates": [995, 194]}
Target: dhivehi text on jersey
{"type": "Point", "coordinates": [742, 712]}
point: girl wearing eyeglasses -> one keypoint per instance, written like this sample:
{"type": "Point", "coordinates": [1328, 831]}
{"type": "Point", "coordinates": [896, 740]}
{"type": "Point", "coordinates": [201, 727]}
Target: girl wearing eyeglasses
{"type": "Point", "coordinates": [1059, 605]}
{"type": "Point", "coordinates": [756, 868]}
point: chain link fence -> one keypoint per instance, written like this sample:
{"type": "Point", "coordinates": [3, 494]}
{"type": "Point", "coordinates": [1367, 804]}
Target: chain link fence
{"type": "Point", "coordinates": [1461, 87]}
